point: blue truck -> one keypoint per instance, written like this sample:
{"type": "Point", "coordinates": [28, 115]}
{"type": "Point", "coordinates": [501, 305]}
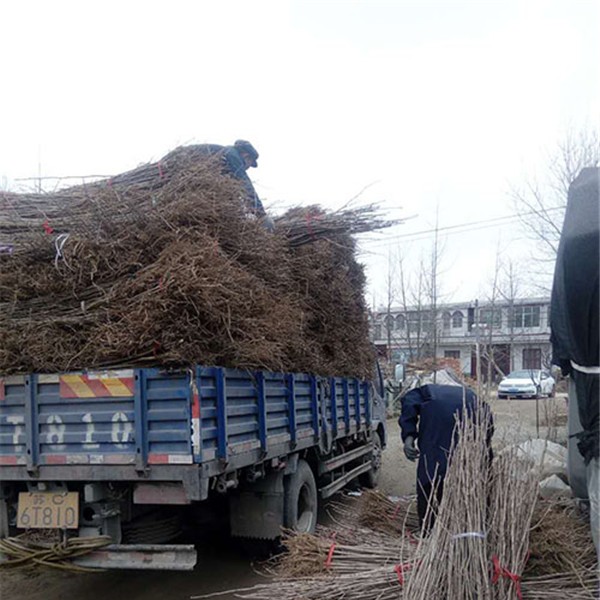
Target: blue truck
{"type": "Point", "coordinates": [139, 454]}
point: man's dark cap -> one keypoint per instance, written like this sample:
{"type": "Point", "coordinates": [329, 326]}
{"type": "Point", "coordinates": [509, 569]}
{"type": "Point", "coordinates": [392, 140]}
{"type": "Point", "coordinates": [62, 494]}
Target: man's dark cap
{"type": "Point", "coordinates": [248, 148]}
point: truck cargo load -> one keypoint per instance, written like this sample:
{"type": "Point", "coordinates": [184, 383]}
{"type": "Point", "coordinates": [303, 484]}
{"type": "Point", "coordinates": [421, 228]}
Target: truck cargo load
{"type": "Point", "coordinates": [164, 266]}
{"type": "Point", "coordinates": [165, 360]}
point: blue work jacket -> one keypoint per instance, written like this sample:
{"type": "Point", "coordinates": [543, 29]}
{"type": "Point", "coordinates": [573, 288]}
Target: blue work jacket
{"type": "Point", "coordinates": [429, 415]}
{"type": "Point", "coordinates": [233, 164]}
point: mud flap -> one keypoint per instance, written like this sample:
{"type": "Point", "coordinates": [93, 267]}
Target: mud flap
{"type": "Point", "coordinates": [258, 511]}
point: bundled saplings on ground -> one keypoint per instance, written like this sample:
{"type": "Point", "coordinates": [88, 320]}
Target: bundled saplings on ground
{"type": "Point", "coordinates": [162, 265]}
{"type": "Point", "coordinates": [492, 539]}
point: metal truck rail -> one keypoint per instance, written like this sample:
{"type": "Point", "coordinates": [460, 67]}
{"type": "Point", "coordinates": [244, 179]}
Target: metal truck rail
{"type": "Point", "coordinates": [96, 451]}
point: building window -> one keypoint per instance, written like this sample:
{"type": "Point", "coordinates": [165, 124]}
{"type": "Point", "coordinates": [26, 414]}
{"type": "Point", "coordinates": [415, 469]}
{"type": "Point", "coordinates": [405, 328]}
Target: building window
{"type": "Point", "coordinates": [452, 354]}
{"type": "Point", "coordinates": [446, 320]}
{"type": "Point", "coordinates": [457, 320]}
{"type": "Point", "coordinates": [490, 317]}
{"type": "Point", "coordinates": [426, 321]}
{"type": "Point", "coordinates": [414, 321]}
{"type": "Point", "coordinates": [400, 322]}
{"type": "Point", "coordinates": [532, 358]}
{"type": "Point", "coordinates": [388, 321]}
{"type": "Point", "coordinates": [378, 331]}
{"type": "Point", "coordinates": [526, 316]}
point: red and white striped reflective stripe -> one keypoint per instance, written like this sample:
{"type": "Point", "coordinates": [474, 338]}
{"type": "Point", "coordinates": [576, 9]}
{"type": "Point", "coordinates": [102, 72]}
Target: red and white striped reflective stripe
{"type": "Point", "coordinates": [196, 435]}
{"type": "Point", "coordinates": [195, 420]}
{"type": "Point", "coordinates": [119, 384]}
{"type": "Point", "coordinates": [13, 460]}
{"type": "Point", "coordinates": [170, 459]}
{"type": "Point", "coordinates": [54, 459]}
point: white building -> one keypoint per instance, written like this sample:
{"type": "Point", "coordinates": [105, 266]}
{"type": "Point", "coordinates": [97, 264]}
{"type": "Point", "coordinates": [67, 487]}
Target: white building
{"type": "Point", "coordinates": [514, 334]}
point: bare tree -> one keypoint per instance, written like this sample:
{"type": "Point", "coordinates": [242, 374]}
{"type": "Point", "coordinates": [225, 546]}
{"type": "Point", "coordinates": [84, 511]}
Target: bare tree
{"type": "Point", "coordinates": [541, 203]}
{"type": "Point", "coordinates": [434, 291]}
{"type": "Point", "coordinates": [404, 294]}
{"type": "Point", "coordinates": [426, 298]}
{"type": "Point", "coordinates": [389, 320]}
{"type": "Point", "coordinates": [412, 299]}
{"type": "Point", "coordinates": [488, 320]}
{"type": "Point", "coordinates": [510, 290]}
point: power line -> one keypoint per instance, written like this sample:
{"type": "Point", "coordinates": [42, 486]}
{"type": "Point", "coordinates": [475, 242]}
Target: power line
{"type": "Point", "coordinates": [425, 236]}
{"type": "Point", "coordinates": [460, 227]}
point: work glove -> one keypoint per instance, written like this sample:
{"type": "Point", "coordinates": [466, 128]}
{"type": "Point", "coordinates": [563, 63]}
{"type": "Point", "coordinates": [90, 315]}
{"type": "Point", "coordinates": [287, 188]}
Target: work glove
{"type": "Point", "coordinates": [409, 449]}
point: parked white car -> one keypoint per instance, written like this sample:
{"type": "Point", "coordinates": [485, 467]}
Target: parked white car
{"type": "Point", "coordinates": [528, 383]}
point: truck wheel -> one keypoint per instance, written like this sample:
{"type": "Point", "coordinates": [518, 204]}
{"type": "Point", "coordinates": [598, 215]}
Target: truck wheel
{"type": "Point", "coordinates": [300, 500]}
{"type": "Point", "coordinates": [371, 477]}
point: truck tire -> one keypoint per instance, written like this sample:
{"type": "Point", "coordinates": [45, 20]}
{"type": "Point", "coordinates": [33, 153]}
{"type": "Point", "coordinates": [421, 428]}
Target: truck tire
{"type": "Point", "coordinates": [371, 477]}
{"type": "Point", "coordinates": [300, 500]}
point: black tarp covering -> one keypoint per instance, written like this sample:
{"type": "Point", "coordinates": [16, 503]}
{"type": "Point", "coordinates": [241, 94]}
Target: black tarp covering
{"type": "Point", "coordinates": [575, 304]}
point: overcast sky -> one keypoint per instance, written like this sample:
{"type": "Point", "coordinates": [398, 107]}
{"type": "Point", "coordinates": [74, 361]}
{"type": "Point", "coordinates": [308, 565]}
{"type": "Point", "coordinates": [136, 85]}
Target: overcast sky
{"type": "Point", "coordinates": [425, 104]}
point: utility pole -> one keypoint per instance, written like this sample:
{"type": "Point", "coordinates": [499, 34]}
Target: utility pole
{"type": "Point", "coordinates": [477, 349]}
{"type": "Point", "coordinates": [434, 294]}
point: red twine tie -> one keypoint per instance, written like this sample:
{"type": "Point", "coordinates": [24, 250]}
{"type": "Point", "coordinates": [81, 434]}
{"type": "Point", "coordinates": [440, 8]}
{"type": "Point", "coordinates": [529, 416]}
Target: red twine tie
{"type": "Point", "coordinates": [400, 569]}
{"type": "Point", "coordinates": [500, 571]}
{"type": "Point", "coordinates": [411, 538]}
{"type": "Point", "coordinates": [47, 227]}
{"type": "Point", "coordinates": [309, 224]}
{"type": "Point", "coordinates": [329, 558]}
{"type": "Point", "coordinates": [160, 171]}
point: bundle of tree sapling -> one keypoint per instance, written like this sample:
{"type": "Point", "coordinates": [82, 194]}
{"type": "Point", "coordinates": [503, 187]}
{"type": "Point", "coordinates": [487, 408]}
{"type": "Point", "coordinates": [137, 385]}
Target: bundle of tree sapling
{"type": "Point", "coordinates": [164, 266]}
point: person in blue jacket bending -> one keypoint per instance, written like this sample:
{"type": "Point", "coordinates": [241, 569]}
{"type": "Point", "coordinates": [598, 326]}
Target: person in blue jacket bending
{"type": "Point", "coordinates": [427, 421]}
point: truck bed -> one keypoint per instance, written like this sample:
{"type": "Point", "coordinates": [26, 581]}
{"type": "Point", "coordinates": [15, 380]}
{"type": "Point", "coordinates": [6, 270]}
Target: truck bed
{"type": "Point", "coordinates": [184, 426]}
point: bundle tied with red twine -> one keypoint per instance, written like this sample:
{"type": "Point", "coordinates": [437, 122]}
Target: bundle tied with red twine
{"type": "Point", "coordinates": [453, 561]}
{"type": "Point", "coordinates": [164, 266]}
{"type": "Point", "coordinates": [478, 547]}
{"type": "Point", "coordinates": [379, 512]}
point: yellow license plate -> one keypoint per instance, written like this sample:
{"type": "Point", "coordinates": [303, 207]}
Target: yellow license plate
{"type": "Point", "coordinates": [48, 510]}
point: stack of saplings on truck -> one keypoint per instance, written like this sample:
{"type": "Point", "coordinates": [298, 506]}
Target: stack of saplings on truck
{"type": "Point", "coordinates": [161, 352]}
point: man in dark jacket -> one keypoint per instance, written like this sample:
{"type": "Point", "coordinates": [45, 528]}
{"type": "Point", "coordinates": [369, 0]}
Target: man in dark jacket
{"type": "Point", "coordinates": [428, 418]}
{"type": "Point", "coordinates": [236, 160]}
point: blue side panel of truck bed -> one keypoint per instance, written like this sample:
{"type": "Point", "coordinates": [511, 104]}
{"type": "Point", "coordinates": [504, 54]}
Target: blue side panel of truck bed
{"type": "Point", "coordinates": [12, 423]}
{"type": "Point", "coordinates": [146, 417]}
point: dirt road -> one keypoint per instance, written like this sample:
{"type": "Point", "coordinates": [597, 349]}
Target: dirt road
{"type": "Point", "coordinates": [222, 566]}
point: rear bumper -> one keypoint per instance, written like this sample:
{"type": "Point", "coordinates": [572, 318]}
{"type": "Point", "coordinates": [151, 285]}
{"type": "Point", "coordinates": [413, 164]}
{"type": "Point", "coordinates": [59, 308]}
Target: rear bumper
{"type": "Point", "coordinates": [192, 477]}
{"type": "Point", "coordinates": [523, 395]}
{"type": "Point", "coordinates": [165, 557]}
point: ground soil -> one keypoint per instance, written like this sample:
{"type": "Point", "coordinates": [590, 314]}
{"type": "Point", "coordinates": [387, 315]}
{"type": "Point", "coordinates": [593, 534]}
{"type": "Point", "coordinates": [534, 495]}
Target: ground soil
{"type": "Point", "coordinates": [223, 566]}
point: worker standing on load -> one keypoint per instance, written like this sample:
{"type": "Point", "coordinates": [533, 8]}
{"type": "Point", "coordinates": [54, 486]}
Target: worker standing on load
{"type": "Point", "coordinates": [428, 420]}
{"type": "Point", "coordinates": [237, 159]}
